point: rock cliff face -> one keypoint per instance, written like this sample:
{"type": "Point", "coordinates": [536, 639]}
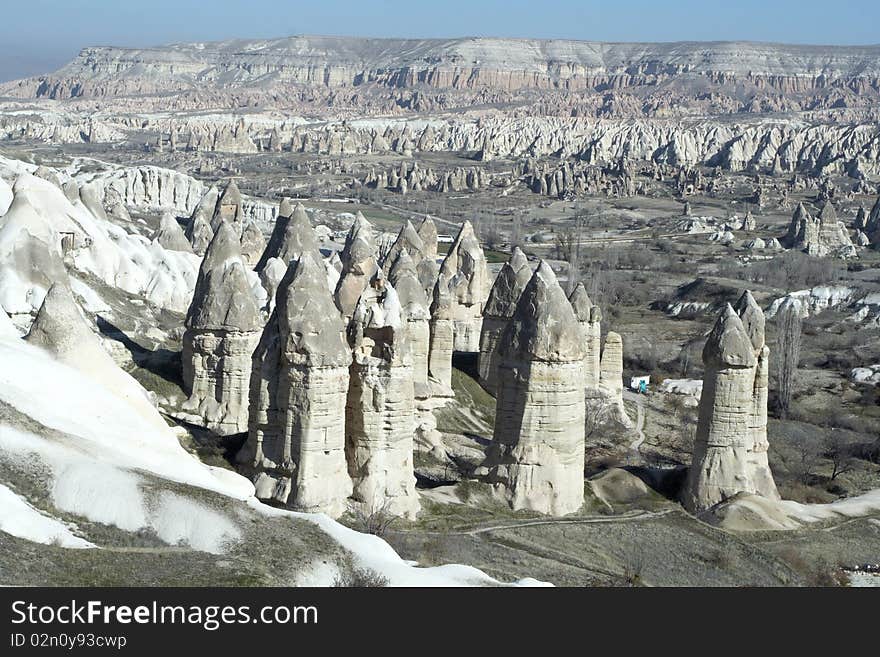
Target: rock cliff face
{"type": "Point", "coordinates": [222, 329]}
{"type": "Point", "coordinates": [299, 385]}
{"type": "Point", "coordinates": [536, 460]}
{"type": "Point", "coordinates": [500, 306]}
{"type": "Point", "coordinates": [730, 449]}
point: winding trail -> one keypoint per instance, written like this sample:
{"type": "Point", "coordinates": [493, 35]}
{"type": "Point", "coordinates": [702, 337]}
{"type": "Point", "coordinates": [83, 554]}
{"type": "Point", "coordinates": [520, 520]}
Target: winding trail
{"type": "Point", "coordinates": [640, 419]}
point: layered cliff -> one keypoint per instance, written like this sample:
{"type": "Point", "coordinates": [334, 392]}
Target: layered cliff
{"type": "Point", "coordinates": [466, 63]}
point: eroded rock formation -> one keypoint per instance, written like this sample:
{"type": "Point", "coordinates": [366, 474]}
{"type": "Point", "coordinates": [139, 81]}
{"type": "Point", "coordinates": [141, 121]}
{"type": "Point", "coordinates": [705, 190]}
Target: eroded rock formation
{"type": "Point", "coordinates": [223, 327]}
{"type": "Point", "coordinates": [358, 265]}
{"type": "Point", "coordinates": [822, 235]}
{"type": "Point", "coordinates": [500, 306]}
{"type": "Point", "coordinates": [536, 460]}
{"type": "Point", "coordinates": [381, 404]}
{"type": "Point", "coordinates": [464, 281]}
{"type": "Point", "coordinates": [730, 449]}
{"type": "Point", "coordinates": [298, 390]}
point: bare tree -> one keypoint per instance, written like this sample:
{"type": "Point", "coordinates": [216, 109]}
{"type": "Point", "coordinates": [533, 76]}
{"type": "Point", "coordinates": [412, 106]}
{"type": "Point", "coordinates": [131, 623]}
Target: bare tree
{"type": "Point", "coordinates": [839, 452]}
{"type": "Point", "coordinates": [789, 347]}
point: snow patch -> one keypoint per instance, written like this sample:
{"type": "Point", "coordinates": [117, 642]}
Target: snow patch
{"type": "Point", "coordinates": [21, 519]}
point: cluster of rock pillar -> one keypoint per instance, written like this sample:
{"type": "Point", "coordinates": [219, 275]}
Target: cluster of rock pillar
{"type": "Point", "coordinates": [338, 382]}
{"type": "Point", "coordinates": [338, 388]}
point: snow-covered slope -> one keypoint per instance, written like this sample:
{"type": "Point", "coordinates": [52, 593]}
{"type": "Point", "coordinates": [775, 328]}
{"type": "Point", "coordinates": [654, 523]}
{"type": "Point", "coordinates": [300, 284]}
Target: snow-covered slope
{"type": "Point", "coordinates": [100, 460]}
{"type": "Point", "coordinates": [30, 251]}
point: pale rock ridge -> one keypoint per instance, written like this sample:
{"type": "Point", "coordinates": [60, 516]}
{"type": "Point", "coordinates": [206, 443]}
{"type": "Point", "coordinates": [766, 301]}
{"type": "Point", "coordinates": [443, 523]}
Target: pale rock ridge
{"type": "Point", "coordinates": [500, 306]}
{"type": "Point", "coordinates": [222, 329]}
{"type": "Point", "coordinates": [30, 256]}
{"type": "Point", "coordinates": [536, 460]}
{"type": "Point", "coordinates": [730, 450]}
{"type": "Point", "coordinates": [90, 244]}
{"type": "Point", "coordinates": [298, 391]}
{"type": "Point", "coordinates": [358, 265]}
{"type": "Point", "coordinates": [381, 404]}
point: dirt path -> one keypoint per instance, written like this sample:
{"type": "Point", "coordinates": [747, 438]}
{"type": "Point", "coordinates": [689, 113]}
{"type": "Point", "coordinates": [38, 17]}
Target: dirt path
{"type": "Point", "coordinates": [590, 520]}
{"type": "Point", "coordinates": [640, 419]}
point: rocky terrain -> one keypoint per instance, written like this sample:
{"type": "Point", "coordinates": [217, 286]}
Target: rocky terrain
{"type": "Point", "coordinates": [358, 303]}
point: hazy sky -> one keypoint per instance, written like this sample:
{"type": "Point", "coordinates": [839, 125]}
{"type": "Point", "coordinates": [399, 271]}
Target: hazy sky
{"type": "Point", "coordinates": [37, 36]}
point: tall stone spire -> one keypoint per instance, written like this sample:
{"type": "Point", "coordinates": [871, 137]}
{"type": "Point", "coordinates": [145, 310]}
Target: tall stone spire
{"type": "Point", "coordinates": [293, 234]}
{"type": "Point", "coordinates": [407, 240]}
{"type": "Point", "coordinates": [730, 449]}
{"type": "Point", "coordinates": [299, 384]}
{"type": "Point", "coordinates": [500, 306]}
{"type": "Point", "coordinates": [590, 319]}
{"type": "Point", "coordinates": [414, 309]}
{"type": "Point", "coordinates": [536, 460]}
{"type": "Point", "coordinates": [464, 278]}
{"type": "Point", "coordinates": [230, 209]}
{"type": "Point", "coordinates": [198, 230]}
{"type": "Point", "coordinates": [223, 326]}
{"type": "Point", "coordinates": [427, 268]}
{"type": "Point", "coordinates": [381, 404]}
{"type": "Point", "coordinates": [358, 265]}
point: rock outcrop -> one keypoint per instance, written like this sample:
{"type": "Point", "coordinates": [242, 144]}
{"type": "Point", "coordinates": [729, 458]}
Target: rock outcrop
{"type": "Point", "coordinates": [298, 390]}
{"type": "Point", "coordinates": [590, 319]}
{"type": "Point", "coordinates": [819, 236]}
{"type": "Point", "coordinates": [358, 265]}
{"type": "Point", "coordinates": [293, 234]}
{"type": "Point", "coordinates": [730, 449]}
{"type": "Point", "coordinates": [500, 306]}
{"type": "Point", "coordinates": [381, 404]}
{"type": "Point", "coordinates": [464, 281]}
{"type": "Point", "coordinates": [171, 236]}
{"type": "Point", "coordinates": [536, 460]}
{"type": "Point", "coordinates": [61, 329]}
{"type": "Point", "coordinates": [223, 327]}
{"type": "Point", "coordinates": [252, 244]}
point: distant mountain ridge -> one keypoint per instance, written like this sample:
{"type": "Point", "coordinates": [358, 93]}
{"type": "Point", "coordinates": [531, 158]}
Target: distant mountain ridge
{"type": "Point", "coordinates": [462, 63]}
